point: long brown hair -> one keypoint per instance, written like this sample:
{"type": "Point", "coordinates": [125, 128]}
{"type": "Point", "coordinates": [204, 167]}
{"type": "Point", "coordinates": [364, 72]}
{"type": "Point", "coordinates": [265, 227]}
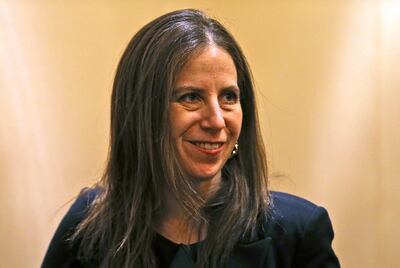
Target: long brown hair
{"type": "Point", "coordinates": [118, 230]}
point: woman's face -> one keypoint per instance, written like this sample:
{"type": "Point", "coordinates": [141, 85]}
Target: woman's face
{"type": "Point", "coordinates": [205, 113]}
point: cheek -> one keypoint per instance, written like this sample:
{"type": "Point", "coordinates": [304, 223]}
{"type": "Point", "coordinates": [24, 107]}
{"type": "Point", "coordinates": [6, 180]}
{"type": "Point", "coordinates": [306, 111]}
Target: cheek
{"type": "Point", "coordinates": [174, 121]}
{"type": "Point", "coordinates": [180, 121]}
{"type": "Point", "coordinates": [236, 123]}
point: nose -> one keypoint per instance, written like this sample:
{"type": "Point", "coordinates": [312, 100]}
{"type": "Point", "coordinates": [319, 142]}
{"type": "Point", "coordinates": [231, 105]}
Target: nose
{"type": "Point", "coordinates": [213, 117]}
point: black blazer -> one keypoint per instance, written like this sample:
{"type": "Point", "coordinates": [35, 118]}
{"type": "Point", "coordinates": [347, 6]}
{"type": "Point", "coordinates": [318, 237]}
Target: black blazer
{"type": "Point", "coordinates": [297, 234]}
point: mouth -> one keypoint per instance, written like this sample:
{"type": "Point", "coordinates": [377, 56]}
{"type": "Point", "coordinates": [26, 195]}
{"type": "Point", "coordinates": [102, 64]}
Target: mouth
{"type": "Point", "coordinates": [208, 145]}
{"type": "Point", "coordinates": [208, 148]}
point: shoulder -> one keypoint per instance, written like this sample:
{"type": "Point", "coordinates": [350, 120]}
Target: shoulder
{"type": "Point", "coordinates": [293, 215]}
{"type": "Point", "coordinates": [300, 229]}
{"type": "Point", "coordinates": [61, 252]}
{"type": "Point", "coordinates": [79, 208]}
{"type": "Point", "coordinates": [83, 201]}
{"type": "Point", "coordinates": [290, 203]}
{"type": "Point", "coordinates": [291, 209]}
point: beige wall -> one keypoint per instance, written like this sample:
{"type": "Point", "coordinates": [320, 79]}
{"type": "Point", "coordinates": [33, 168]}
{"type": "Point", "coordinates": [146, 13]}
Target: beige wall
{"type": "Point", "coordinates": [329, 93]}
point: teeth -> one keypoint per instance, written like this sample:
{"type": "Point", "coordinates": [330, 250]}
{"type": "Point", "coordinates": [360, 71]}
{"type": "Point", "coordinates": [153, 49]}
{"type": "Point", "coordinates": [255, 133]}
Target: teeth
{"type": "Point", "coordinates": [208, 146]}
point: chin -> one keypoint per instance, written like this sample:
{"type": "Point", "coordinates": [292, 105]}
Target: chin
{"type": "Point", "coordinates": [205, 175]}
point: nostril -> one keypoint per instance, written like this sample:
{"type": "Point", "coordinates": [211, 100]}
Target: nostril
{"type": "Point", "coordinates": [213, 122]}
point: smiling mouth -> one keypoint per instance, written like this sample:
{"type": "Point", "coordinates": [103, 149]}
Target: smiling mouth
{"type": "Point", "coordinates": [208, 145]}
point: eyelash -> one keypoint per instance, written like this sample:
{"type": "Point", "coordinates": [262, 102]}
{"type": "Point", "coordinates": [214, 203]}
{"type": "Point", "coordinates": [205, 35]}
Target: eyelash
{"type": "Point", "coordinates": [194, 97]}
{"type": "Point", "coordinates": [232, 96]}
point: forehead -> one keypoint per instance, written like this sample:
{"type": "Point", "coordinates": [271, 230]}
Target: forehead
{"type": "Point", "coordinates": [210, 62]}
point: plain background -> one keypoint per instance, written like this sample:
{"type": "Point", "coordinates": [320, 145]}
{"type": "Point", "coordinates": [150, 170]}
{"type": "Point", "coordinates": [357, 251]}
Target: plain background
{"type": "Point", "coordinates": [328, 83]}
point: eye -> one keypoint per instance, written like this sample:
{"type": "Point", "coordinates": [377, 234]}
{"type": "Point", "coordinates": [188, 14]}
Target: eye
{"type": "Point", "coordinates": [189, 98]}
{"type": "Point", "coordinates": [229, 97]}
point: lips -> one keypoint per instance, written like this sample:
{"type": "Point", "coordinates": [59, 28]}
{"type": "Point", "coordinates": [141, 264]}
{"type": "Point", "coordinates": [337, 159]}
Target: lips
{"type": "Point", "coordinates": [208, 145]}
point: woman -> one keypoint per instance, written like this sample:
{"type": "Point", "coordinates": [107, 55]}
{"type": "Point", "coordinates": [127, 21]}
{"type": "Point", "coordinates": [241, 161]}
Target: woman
{"type": "Point", "coordinates": [186, 181]}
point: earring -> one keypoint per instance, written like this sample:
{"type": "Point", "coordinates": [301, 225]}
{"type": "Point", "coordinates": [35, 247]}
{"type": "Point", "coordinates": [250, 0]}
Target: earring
{"type": "Point", "coordinates": [235, 150]}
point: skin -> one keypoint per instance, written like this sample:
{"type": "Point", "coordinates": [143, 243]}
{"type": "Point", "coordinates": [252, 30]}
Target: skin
{"type": "Point", "coordinates": [206, 118]}
{"type": "Point", "coordinates": [206, 115]}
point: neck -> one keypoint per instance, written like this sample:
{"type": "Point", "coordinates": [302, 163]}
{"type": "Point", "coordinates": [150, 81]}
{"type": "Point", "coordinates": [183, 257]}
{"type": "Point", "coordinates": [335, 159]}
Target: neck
{"type": "Point", "coordinates": [207, 187]}
{"type": "Point", "coordinates": [174, 222]}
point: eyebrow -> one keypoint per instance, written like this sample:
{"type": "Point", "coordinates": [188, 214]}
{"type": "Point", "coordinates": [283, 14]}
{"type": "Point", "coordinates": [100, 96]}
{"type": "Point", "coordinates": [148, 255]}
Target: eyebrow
{"type": "Point", "coordinates": [201, 90]}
